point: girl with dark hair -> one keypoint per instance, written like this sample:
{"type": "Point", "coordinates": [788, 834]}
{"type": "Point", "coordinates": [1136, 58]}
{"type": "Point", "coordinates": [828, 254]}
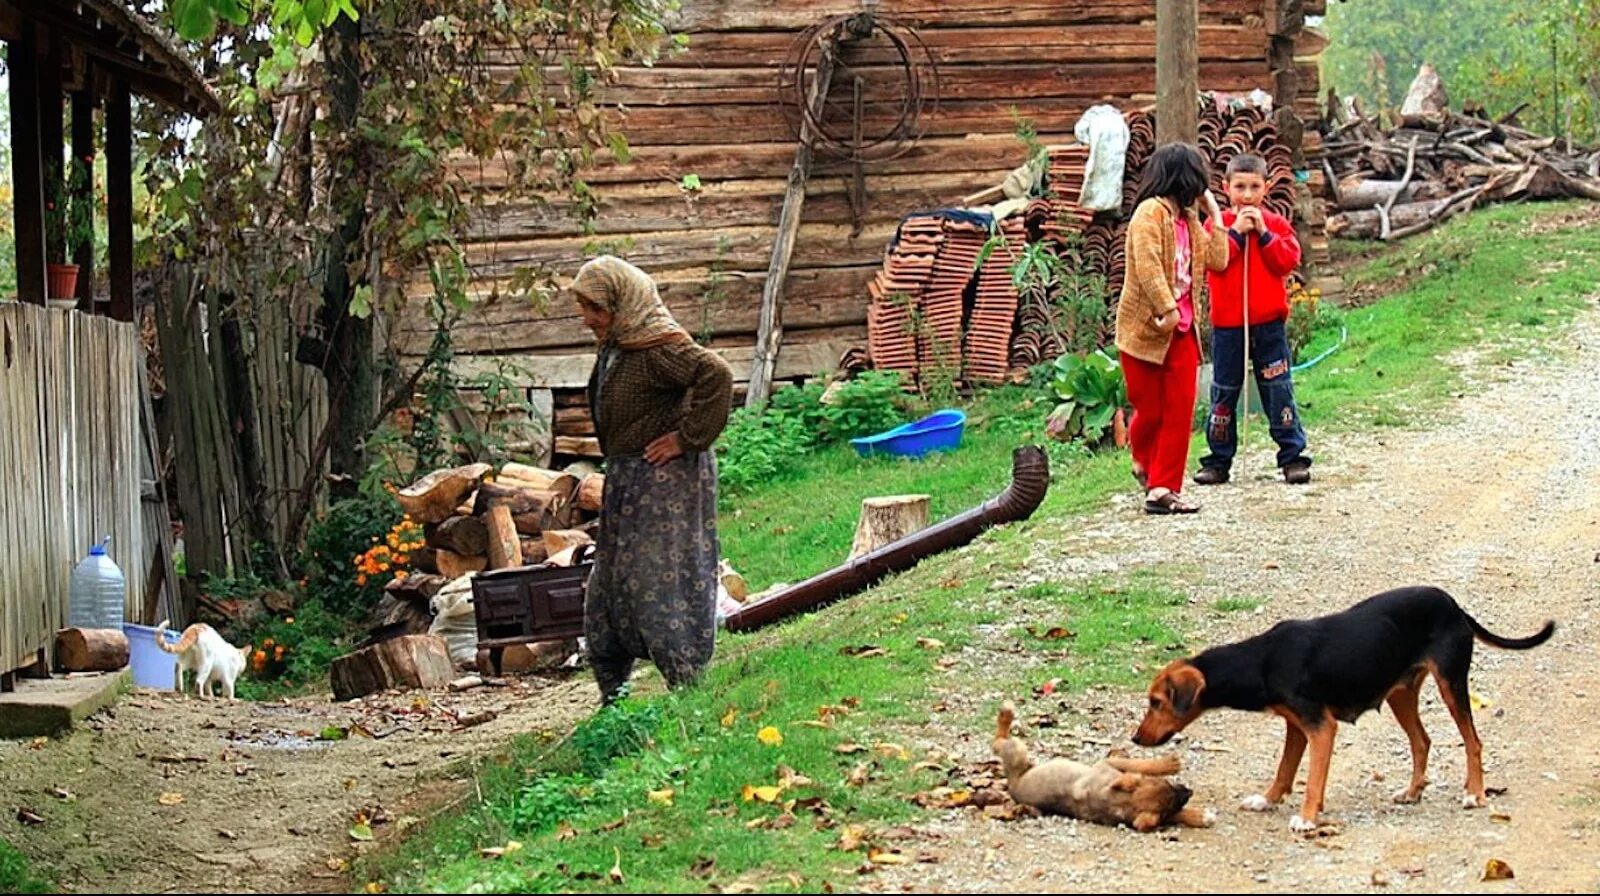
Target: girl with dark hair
{"type": "Point", "coordinates": [1168, 252]}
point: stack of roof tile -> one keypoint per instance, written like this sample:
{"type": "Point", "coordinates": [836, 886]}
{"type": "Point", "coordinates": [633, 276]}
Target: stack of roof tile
{"type": "Point", "coordinates": [1063, 186]}
{"type": "Point", "coordinates": [994, 311]}
{"type": "Point", "coordinates": [896, 292]}
{"type": "Point", "coordinates": [944, 305]}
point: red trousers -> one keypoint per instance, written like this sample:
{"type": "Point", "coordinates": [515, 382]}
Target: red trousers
{"type": "Point", "coordinates": [1163, 411]}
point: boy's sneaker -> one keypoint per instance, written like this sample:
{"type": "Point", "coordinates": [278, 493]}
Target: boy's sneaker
{"type": "Point", "coordinates": [1210, 476]}
{"type": "Point", "coordinates": [1297, 473]}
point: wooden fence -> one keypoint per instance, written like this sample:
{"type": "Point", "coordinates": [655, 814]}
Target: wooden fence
{"type": "Point", "coordinates": [71, 457]}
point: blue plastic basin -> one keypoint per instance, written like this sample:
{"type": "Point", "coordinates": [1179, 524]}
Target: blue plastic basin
{"type": "Point", "coordinates": [152, 666]}
{"type": "Point", "coordinates": [939, 431]}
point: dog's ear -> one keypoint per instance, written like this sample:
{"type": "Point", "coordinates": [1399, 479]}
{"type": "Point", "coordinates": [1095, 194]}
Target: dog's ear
{"type": "Point", "coordinates": [1184, 685]}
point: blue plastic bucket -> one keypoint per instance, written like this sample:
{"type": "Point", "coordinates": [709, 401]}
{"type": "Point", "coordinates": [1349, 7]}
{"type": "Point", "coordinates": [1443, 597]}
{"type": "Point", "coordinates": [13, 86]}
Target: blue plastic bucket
{"type": "Point", "coordinates": [152, 667]}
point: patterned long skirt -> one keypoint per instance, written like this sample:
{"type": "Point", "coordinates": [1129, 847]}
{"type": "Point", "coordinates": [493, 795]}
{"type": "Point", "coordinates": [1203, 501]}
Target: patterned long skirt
{"type": "Point", "coordinates": [653, 591]}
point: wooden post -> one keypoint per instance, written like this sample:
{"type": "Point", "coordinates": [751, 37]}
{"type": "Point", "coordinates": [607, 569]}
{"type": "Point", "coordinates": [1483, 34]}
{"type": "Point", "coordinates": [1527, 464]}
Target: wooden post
{"type": "Point", "coordinates": [27, 175]}
{"type": "Point", "coordinates": [1177, 71]}
{"type": "Point", "coordinates": [769, 331]}
{"type": "Point", "coordinates": [83, 148]}
{"type": "Point", "coordinates": [119, 197]}
{"type": "Point", "coordinates": [52, 141]}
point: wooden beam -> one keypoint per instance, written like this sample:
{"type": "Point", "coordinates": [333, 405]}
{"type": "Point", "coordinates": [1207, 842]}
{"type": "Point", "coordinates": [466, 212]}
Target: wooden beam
{"type": "Point", "coordinates": [769, 331]}
{"type": "Point", "coordinates": [83, 149]}
{"type": "Point", "coordinates": [27, 175]}
{"type": "Point", "coordinates": [1177, 71]}
{"type": "Point", "coordinates": [119, 197]}
{"type": "Point", "coordinates": [52, 141]}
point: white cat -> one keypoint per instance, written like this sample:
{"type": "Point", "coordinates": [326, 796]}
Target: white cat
{"type": "Point", "coordinates": [201, 650]}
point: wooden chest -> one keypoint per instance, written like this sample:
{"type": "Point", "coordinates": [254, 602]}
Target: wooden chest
{"type": "Point", "coordinates": [527, 604]}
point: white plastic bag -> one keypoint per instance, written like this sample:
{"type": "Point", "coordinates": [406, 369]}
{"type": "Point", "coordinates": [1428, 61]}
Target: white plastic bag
{"type": "Point", "coordinates": [455, 620]}
{"type": "Point", "coordinates": [1103, 129]}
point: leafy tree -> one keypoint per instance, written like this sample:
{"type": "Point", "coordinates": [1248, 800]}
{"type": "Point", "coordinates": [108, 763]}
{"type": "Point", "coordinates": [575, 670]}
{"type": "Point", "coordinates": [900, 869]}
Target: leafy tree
{"type": "Point", "coordinates": [344, 168]}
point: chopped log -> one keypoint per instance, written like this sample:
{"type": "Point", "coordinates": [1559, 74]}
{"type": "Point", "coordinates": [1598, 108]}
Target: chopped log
{"type": "Point", "coordinates": [590, 491]}
{"type": "Point", "coordinates": [91, 649]}
{"type": "Point", "coordinates": [462, 534]}
{"type": "Point", "coordinates": [533, 551]}
{"type": "Point", "coordinates": [558, 540]}
{"type": "Point", "coordinates": [424, 561]}
{"type": "Point", "coordinates": [392, 609]}
{"type": "Point", "coordinates": [888, 519]}
{"type": "Point", "coordinates": [582, 446]}
{"type": "Point", "coordinates": [417, 587]}
{"type": "Point", "coordinates": [1369, 224]}
{"type": "Point", "coordinates": [409, 661]}
{"type": "Point", "coordinates": [433, 498]}
{"type": "Point", "coordinates": [467, 504]}
{"type": "Point", "coordinates": [505, 549]}
{"type": "Point", "coordinates": [732, 582]}
{"type": "Point", "coordinates": [524, 476]}
{"type": "Point", "coordinates": [1425, 102]}
{"type": "Point", "coordinates": [453, 566]}
{"type": "Point", "coordinates": [519, 499]}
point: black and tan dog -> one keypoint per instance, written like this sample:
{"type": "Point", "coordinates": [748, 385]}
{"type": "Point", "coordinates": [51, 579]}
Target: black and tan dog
{"type": "Point", "coordinates": [1115, 790]}
{"type": "Point", "coordinates": [1316, 673]}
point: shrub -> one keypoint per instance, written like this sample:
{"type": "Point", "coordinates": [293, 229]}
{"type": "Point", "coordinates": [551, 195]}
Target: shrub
{"type": "Point", "coordinates": [335, 544]}
{"type": "Point", "coordinates": [756, 446]}
{"type": "Point", "coordinates": [872, 402]}
{"type": "Point", "coordinates": [291, 652]}
{"type": "Point", "coordinates": [1091, 390]}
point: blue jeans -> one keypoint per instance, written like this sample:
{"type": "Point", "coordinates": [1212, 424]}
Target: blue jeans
{"type": "Point", "coordinates": [1270, 359]}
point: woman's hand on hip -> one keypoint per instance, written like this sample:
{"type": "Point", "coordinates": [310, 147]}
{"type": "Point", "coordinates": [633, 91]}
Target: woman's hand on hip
{"type": "Point", "coordinates": [663, 449]}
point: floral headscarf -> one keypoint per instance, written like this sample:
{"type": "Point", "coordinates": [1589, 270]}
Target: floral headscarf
{"type": "Point", "coordinates": [639, 318]}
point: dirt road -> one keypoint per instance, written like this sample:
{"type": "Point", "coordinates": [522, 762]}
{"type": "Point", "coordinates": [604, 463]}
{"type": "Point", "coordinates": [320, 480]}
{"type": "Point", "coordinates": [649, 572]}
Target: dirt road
{"type": "Point", "coordinates": [1498, 502]}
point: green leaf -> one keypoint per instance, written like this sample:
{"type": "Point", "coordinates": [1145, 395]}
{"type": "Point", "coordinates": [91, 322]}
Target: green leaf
{"type": "Point", "coordinates": [361, 302]}
{"type": "Point", "coordinates": [194, 19]}
{"type": "Point", "coordinates": [690, 182]}
{"type": "Point", "coordinates": [362, 831]}
{"type": "Point", "coordinates": [620, 148]}
{"type": "Point", "coordinates": [233, 11]}
{"type": "Point", "coordinates": [331, 732]}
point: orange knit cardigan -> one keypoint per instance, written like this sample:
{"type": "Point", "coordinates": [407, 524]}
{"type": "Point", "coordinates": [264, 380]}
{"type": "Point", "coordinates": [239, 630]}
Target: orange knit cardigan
{"type": "Point", "coordinates": [1149, 286]}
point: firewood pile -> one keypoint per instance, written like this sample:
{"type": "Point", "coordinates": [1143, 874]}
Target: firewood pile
{"type": "Point", "coordinates": [474, 520]}
{"type": "Point", "coordinates": [930, 297]}
{"type": "Point", "coordinates": [1391, 184]}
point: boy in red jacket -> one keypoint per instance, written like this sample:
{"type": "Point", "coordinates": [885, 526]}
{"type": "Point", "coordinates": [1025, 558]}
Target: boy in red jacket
{"type": "Point", "coordinates": [1264, 250]}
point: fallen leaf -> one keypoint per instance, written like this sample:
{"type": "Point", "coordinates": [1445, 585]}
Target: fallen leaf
{"type": "Point", "coordinates": [851, 702]}
{"type": "Point", "coordinates": [886, 857]}
{"type": "Point", "coordinates": [930, 643]}
{"type": "Point", "coordinates": [790, 779]}
{"type": "Point", "coordinates": [729, 717]}
{"type": "Point", "coordinates": [565, 831]}
{"type": "Point", "coordinates": [28, 816]}
{"type": "Point", "coordinates": [849, 747]}
{"type": "Point", "coordinates": [765, 793]}
{"type": "Point", "coordinates": [703, 867]}
{"type": "Point", "coordinates": [170, 799]}
{"type": "Point", "coordinates": [823, 724]}
{"type": "Point", "coordinates": [616, 866]}
{"type": "Point", "coordinates": [661, 797]}
{"type": "Point", "coordinates": [1053, 633]}
{"type": "Point", "coordinates": [859, 775]}
{"type": "Point", "coordinates": [1048, 688]}
{"type": "Point", "coordinates": [38, 743]}
{"type": "Point", "coordinates": [1478, 702]}
{"type": "Point", "coordinates": [62, 793]}
{"type": "Point", "coordinates": [361, 831]}
{"type": "Point", "coordinates": [851, 837]}
{"type": "Point", "coordinates": [338, 865]}
{"type": "Point", "coordinates": [893, 751]}
{"type": "Point", "coordinates": [226, 834]}
{"type": "Point", "coordinates": [865, 650]}
{"type": "Point", "coordinates": [1494, 869]}
{"type": "Point", "coordinates": [613, 825]}
{"type": "Point", "coordinates": [1501, 817]}
{"type": "Point", "coordinates": [331, 732]}
{"type": "Point", "coordinates": [1379, 879]}
{"type": "Point", "coordinates": [498, 852]}
{"type": "Point", "coordinates": [652, 841]}
{"type": "Point", "coordinates": [770, 736]}
{"type": "Point", "coordinates": [375, 887]}
{"type": "Point", "coordinates": [900, 618]}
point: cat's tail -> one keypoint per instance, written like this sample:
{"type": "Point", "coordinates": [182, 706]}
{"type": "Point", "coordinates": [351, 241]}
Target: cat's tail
{"type": "Point", "coordinates": [190, 635]}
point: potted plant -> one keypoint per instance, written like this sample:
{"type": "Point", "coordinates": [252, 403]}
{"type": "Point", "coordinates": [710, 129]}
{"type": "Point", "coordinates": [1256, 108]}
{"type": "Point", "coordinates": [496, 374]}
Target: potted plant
{"type": "Point", "coordinates": [69, 225]}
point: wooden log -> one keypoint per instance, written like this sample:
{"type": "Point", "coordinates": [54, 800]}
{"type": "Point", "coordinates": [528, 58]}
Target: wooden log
{"type": "Point", "coordinates": [91, 649]}
{"type": "Point", "coordinates": [519, 499]}
{"type": "Point", "coordinates": [524, 476]}
{"type": "Point", "coordinates": [453, 566]}
{"type": "Point", "coordinates": [433, 498]}
{"type": "Point", "coordinates": [462, 534]}
{"type": "Point", "coordinates": [505, 548]}
{"type": "Point", "coordinates": [888, 519]}
{"type": "Point", "coordinates": [533, 551]}
{"type": "Point", "coordinates": [558, 540]}
{"type": "Point", "coordinates": [590, 492]}
{"type": "Point", "coordinates": [409, 661]}
{"type": "Point", "coordinates": [417, 587]}
{"type": "Point", "coordinates": [580, 446]}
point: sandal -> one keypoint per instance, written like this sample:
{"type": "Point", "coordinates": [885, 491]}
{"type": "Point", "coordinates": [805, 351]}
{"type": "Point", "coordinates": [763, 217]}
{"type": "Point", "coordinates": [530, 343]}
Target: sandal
{"type": "Point", "coordinates": [1171, 502]}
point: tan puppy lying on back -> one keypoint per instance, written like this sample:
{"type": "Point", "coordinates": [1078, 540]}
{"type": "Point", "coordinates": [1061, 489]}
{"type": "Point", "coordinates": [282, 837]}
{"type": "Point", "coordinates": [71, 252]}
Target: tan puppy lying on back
{"type": "Point", "coordinates": [1115, 790]}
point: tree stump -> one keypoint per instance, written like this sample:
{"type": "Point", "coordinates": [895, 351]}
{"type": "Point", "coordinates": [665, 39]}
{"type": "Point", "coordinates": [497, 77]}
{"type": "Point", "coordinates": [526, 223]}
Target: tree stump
{"type": "Point", "coordinates": [888, 519]}
{"type": "Point", "coordinates": [409, 661]}
{"type": "Point", "coordinates": [91, 649]}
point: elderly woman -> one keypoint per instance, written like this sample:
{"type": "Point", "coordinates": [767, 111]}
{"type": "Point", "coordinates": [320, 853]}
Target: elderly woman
{"type": "Point", "coordinates": [658, 401]}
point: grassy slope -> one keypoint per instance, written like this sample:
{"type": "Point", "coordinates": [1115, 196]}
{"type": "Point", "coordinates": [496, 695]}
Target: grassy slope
{"type": "Point", "coordinates": [1482, 280]}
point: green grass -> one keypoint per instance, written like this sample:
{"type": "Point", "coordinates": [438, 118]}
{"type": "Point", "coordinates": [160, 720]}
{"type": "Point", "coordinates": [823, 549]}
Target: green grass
{"type": "Point", "coordinates": [15, 875]}
{"type": "Point", "coordinates": [885, 661]}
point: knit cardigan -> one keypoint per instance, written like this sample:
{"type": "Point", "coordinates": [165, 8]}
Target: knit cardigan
{"type": "Point", "coordinates": [676, 387]}
{"type": "Point", "coordinates": [1149, 287]}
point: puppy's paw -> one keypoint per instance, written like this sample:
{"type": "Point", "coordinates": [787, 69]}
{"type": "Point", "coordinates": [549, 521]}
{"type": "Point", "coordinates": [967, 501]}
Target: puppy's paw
{"type": "Point", "coordinates": [1255, 802]}
{"type": "Point", "coordinates": [1208, 818]}
{"type": "Point", "coordinates": [1300, 825]}
{"type": "Point", "coordinates": [1406, 796]}
{"type": "Point", "coordinates": [1473, 801]}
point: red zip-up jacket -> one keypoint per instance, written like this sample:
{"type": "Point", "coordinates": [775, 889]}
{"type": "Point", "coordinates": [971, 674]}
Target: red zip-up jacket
{"type": "Point", "coordinates": [1272, 256]}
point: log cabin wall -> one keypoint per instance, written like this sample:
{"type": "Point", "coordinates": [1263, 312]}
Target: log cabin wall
{"type": "Point", "coordinates": [714, 110]}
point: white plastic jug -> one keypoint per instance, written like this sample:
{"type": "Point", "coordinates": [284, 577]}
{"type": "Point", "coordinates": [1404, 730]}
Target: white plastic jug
{"type": "Point", "coordinates": [97, 591]}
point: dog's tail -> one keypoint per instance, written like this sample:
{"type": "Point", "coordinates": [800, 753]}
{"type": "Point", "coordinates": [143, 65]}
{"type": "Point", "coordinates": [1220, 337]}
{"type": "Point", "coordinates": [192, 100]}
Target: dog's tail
{"type": "Point", "coordinates": [1489, 637]}
{"type": "Point", "coordinates": [1002, 726]}
{"type": "Point", "coordinates": [190, 635]}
